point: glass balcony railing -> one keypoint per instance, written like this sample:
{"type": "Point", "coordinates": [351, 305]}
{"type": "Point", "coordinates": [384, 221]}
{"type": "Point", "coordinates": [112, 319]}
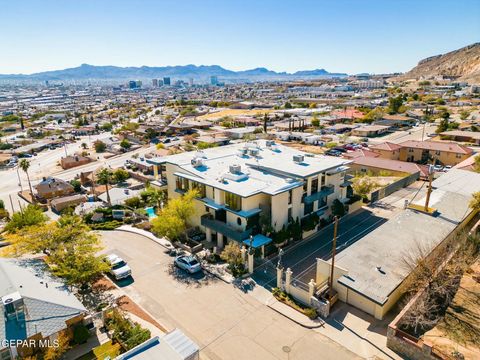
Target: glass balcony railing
{"type": "Point", "coordinates": [210, 222]}
{"type": "Point", "coordinates": [324, 191]}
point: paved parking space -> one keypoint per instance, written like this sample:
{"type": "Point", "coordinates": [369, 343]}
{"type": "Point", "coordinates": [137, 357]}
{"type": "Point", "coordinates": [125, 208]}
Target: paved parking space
{"type": "Point", "coordinates": [301, 257]}
{"type": "Point", "coordinates": [226, 322]}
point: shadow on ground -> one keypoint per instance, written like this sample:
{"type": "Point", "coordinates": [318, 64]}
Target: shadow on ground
{"type": "Point", "coordinates": [197, 279]}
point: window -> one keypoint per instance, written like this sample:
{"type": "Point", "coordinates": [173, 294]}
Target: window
{"type": "Point", "coordinates": [289, 197]}
{"type": "Point", "coordinates": [290, 218]}
{"type": "Point", "coordinates": [305, 185]}
{"type": "Point", "coordinates": [239, 221]}
{"type": "Point", "coordinates": [233, 201]}
{"type": "Point", "coordinates": [201, 189]}
{"type": "Point", "coordinates": [308, 209]}
{"type": "Point", "coordinates": [437, 152]}
{"type": "Point", "coordinates": [410, 150]}
{"type": "Point", "coordinates": [323, 180]}
{"type": "Point", "coordinates": [182, 184]}
{"type": "Point", "coordinates": [314, 186]}
{"type": "Point", "coordinates": [458, 156]}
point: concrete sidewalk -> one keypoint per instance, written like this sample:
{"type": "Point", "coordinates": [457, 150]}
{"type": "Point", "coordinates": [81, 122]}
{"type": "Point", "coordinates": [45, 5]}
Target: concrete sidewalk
{"type": "Point", "coordinates": [162, 241]}
{"type": "Point", "coordinates": [358, 332]}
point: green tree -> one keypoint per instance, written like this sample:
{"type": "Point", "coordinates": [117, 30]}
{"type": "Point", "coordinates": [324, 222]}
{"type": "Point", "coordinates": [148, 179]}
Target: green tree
{"type": "Point", "coordinates": [464, 114]}
{"type": "Point", "coordinates": [476, 164]}
{"type": "Point", "coordinates": [364, 185]}
{"type": "Point", "coordinates": [28, 216]}
{"type": "Point", "coordinates": [107, 126]}
{"type": "Point", "coordinates": [120, 175]}
{"type": "Point", "coordinates": [315, 122]}
{"type": "Point", "coordinates": [84, 146]}
{"type": "Point", "coordinates": [338, 209]}
{"type": "Point", "coordinates": [287, 105]}
{"type": "Point", "coordinates": [394, 104]}
{"type": "Point", "coordinates": [25, 165]}
{"type": "Point", "coordinates": [100, 146]}
{"type": "Point", "coordinates": [104, 177]}
{"type": "Point", "coordinates": [125, 144]}
{"type": "Point", "coordinates": [232, 255]}
{"type": "Point", "coordinates": [56, 352]}
{"type": "Point", "coordinates": [475, 202]}
{"type": "Point", "coordinates": [173, 218]}
{"type": "Point", "coordinates": [77, 185]}
{"type": "Point", "coordinates": [442, 126]}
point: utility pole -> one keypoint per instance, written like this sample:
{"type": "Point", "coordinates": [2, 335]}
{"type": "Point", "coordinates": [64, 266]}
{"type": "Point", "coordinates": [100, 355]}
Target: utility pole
{"type": "Point", "coordinates": [334, 248]}
{"type": "Point", "coordinates": [429, 189]}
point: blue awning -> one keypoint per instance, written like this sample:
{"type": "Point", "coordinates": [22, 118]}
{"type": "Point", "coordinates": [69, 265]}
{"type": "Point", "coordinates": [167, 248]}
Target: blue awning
{"type": "Point", "coordinates": [259, 240]}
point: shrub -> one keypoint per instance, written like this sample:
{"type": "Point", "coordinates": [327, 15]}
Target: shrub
{"type": "Point", "coordinates": [311, 313]}
{"type": "Point", "coordinates": [80, 334]}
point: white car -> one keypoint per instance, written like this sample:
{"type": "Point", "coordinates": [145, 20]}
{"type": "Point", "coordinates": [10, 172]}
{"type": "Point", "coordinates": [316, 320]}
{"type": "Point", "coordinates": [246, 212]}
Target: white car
{"type": "Point", "coordinates": [438, 168]}
{"type": "Point", "coordinates": [188, 263]}
{"type": "Point", "coordinates": [447, 168]}
{"type": "Point", "coordinates": [118, 267]}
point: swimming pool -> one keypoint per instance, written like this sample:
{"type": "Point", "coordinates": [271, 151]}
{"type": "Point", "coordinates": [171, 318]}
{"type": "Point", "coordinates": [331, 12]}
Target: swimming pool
{"type": "Point", "coordinates": [151, 212]}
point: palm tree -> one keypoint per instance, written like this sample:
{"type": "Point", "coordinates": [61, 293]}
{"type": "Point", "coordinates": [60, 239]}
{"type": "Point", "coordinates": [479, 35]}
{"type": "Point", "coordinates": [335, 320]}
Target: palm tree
{"type": "Point", "coordinates": [104, 178]}
{"type": "Point", "coordinates": [24, 165]}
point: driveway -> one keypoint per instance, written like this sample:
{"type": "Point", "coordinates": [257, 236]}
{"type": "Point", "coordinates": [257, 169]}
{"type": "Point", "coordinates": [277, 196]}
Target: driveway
{"type": "Point", "coordinates": [225, 322]}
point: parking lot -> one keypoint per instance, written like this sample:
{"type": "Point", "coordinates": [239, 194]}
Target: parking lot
{"type": "Point", "coordinates": [301, 257]}
{"type": "Point", "coordinates": [224, 321]}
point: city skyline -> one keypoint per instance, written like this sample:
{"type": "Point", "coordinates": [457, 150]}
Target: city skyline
{"type": "Point", "coordinates": [339, 37]}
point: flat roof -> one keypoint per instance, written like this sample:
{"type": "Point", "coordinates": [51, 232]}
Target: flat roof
{"type": "Point", "coordinates": [375, 263]}
{"type": "Point", "coordinates": [273, 171]}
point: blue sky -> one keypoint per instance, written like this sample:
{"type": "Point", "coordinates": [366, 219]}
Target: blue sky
{"type": "Point", "coordinates": [284, 35]}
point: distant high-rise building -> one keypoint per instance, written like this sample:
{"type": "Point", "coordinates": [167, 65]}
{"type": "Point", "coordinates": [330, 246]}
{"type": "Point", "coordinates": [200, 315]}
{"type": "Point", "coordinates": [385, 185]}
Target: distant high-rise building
{"type": "Point", "coordinates": [134, 84]}
{"type": "Point", "coordinates": [166, 81]}
{"type": "Point", "coordinates": [213, 80]}
{"type": "Point", "coordinates": [46, 83]}
{"type": "Point", "coordinates": [155, 82]}
{"type": "Point", "coordinates": [160, 82]}
{"type": "Point", "coordinates": [191, 81]}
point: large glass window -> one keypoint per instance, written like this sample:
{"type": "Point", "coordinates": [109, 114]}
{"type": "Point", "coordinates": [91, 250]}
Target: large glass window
{"type": "Point", "coordinates": [201, 189]}
{"type": "Point", "coordinates": [233, 201]}
{"type": "Point", "coordinates": [182, 184]}
{"type": "Point", "coordinates": [289, 197]}
{"type": "Point", "coordinates": [314, 186]}
{"type": "Point", "coordinates": [308, 208]}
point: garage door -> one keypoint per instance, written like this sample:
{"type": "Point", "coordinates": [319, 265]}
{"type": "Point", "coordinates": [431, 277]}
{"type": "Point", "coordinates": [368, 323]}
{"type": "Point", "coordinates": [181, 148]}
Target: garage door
{"type": "Point", "coordinates": [361, 302]}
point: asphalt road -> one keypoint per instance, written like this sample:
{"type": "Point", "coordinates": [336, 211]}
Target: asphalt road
{"type": "Point", "coordinates": [223, 320]}
{"type": "Point", "coordinates": [301, 257]}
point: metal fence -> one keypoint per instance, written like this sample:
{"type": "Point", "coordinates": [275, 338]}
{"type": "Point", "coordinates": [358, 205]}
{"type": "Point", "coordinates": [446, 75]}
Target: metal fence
{"type": "Point", "coordinates": [397, 185]}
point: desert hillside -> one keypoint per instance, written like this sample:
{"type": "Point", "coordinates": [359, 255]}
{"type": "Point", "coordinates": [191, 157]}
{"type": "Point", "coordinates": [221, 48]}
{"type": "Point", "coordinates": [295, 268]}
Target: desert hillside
{"type": "Point", "coordinates": [463, 63]}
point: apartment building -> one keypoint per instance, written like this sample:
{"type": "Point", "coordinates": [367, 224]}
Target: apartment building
{"type": "Point", "coordinates": [241, 183]}
{"type": "Point", "coordinates": [445, 153]}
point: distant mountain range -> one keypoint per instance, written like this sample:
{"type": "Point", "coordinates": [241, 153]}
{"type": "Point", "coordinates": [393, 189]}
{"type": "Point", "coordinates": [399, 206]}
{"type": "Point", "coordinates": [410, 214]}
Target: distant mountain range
{"type": "Point", "coordinates": [463, 64]}
{"type": "Point", "coordinates": [91, 72]}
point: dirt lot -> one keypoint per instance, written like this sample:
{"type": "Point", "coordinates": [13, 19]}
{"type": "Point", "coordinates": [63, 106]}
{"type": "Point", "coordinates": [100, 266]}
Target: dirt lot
{"type": "Point", "coordinates": [460, 329]}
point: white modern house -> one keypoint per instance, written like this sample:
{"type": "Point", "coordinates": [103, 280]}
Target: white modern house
{"type": "Point", "coordinates": [240, 183]}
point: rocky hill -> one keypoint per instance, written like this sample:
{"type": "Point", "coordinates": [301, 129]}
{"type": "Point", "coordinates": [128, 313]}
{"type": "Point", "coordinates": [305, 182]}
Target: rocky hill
{"type": "Point", "coordinates": [463, 64]}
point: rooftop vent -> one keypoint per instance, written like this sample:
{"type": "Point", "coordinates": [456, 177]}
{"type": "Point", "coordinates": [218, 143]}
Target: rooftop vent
{"type": "Point", "coordinates": [298, 159]}
{"type": "Point", "coordinates": [235, 169]}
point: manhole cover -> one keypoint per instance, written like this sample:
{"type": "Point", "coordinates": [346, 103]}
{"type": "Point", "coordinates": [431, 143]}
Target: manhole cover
{"type": "Point", "coordinates": [286, 349]}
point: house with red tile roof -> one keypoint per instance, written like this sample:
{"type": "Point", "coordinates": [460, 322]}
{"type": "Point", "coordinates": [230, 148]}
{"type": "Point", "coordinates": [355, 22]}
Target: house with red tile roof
{"type": "Point", "coordinates": [364, 164]}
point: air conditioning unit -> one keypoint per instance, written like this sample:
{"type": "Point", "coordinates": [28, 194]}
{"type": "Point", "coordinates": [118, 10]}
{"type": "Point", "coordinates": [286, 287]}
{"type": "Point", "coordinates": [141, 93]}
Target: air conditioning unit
{"type": "Point", "coordinates": [270, 143]}
{"type": "Point", "coordinates": [197, 162]}
{"type": "Point", "coordinates": [254, 152]}
{"type": "Point", "coordinates": [298, 159]}
{"type": "Point", "coordinates": [235, 169]}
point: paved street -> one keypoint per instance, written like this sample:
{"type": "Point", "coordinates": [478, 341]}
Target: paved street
{"type": "Point", "coordinates": [45, 164]}
{"type": "Point", "coordinates": [224, 321]}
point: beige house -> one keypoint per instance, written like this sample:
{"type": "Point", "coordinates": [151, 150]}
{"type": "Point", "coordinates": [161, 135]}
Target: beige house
{"type": "Point", "coordinates": [240, 183]}
{"type": "Point", "coordinates": [371, 274]}
{"type": "Point", "coordinates": [445, 153]}
{"type": "Point", "coordinates": [51, 187]}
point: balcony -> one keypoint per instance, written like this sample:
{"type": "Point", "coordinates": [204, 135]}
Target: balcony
{"type": "Point", "coordinates": [209, 221]}
{"type": "Point", "coordinates": [324, 191]}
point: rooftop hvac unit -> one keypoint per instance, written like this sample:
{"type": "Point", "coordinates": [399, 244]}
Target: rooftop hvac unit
{"type": "Point", "coordinates": [197, 162]}
{"type": "Point", "coordinates": [270, 143]}
{"type": "Point", "coordinates": [298, 158]}
{"type": "Point", "coordinates": [235, 169]}
{"type": "Point", "coordinates": [254, 152]}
